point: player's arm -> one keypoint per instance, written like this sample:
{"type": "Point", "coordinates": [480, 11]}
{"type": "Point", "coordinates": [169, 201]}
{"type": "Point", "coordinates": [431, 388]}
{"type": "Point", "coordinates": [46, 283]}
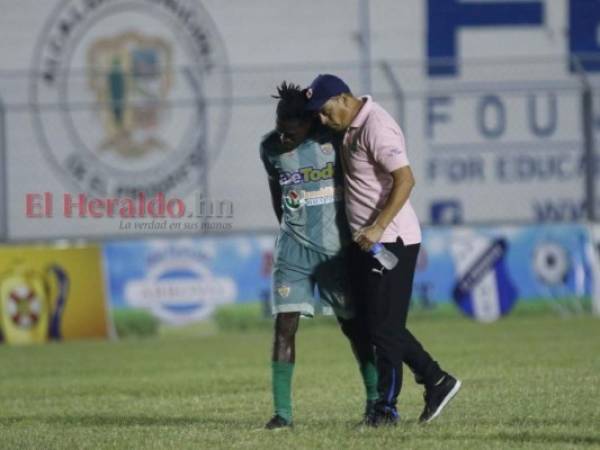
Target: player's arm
{"type": "Point", "coordinates": [274, 187]}
{"type": "Point", "coordinates": [275, 190]}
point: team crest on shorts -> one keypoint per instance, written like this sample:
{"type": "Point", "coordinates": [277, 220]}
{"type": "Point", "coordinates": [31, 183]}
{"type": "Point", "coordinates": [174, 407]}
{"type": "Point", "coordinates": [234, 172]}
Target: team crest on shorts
{"type": "Point", "coordinates": [106, 95]}
{"type": "Point", "coordinates": [284, 291]}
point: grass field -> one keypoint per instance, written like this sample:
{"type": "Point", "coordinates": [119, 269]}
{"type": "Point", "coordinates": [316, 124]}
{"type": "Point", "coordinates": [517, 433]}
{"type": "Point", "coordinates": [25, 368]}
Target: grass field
{"type": "Point", "coordinates": [529, 382]}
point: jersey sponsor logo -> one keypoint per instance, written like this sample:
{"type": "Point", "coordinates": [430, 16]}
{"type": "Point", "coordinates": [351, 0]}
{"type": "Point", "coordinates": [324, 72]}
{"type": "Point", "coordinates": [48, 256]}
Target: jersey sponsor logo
{"type": "Point", "coordinates": [306, 175]}
{"type": "Point", "coordinates": [114, 133]}
{"type": "Point", "coordinates": [328, 194]}
{"type": "Point", "coordinates": [294, 199]}
{"type": "Point", "coordinates": [323, 196]}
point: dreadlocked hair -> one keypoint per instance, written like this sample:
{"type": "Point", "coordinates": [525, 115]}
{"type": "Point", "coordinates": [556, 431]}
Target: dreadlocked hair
{"type": "Point", "coordinates": [292, 101]}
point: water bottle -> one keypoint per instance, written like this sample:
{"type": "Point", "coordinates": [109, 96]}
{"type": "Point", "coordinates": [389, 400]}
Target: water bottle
{"type": "Point", "coordinates": [387, 259]}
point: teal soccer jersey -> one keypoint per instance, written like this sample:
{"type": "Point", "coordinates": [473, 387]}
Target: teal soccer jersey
{"type": "Point", "coordinates": [314, 234]}
{"type": "Point", "coordinates": [311, 181]}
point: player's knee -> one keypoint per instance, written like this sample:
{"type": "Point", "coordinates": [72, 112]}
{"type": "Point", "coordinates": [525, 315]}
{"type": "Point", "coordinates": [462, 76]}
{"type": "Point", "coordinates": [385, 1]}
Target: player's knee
{"type": "Point", "coordinates": [286, 325]}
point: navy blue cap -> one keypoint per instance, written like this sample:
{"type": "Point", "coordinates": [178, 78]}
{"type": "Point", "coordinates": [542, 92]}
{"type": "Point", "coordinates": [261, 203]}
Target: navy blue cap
{"type": "Point", "coordinates": [322, 89]}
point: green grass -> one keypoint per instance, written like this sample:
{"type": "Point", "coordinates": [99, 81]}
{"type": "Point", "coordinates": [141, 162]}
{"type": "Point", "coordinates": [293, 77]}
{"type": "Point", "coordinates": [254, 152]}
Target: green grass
{"type": "Point", "coordinates": [529, 382]}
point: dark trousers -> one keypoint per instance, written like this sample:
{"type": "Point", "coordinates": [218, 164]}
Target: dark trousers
{"type": "Point", "coordinates": [382, 303]}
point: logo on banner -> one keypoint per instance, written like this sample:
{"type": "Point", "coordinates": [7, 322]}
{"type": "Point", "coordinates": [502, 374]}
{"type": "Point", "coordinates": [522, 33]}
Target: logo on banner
{"type": "Point", "coordinates": [180, 290]}
{"type": "Point", "coordinates": [551, 263]}
{"type": "Point", "coordinates": [446, 19]}
{"type": "Point", "coordinates": [564, 272]}
{"type": "Point", "coordinates": [131, 91]}
{"type": "Point", "coordinates": [118, 96]}
{"type": "Point", "coordinates": [483, 289]}
{"type": "Point", "coordinates": [446, 212]}
{"type": "Point", "coordinates": [32, 304]}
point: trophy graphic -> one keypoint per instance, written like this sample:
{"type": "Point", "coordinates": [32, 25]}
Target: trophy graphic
{"type": "Point", "coordinates": [32, 303]}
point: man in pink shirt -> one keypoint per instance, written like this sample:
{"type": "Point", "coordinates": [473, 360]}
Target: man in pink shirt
{"type": "Point", "coordinates": [377, 183]}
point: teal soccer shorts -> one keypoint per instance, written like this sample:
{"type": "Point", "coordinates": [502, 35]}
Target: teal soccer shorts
{"type": "Point", "coordinates": [297, 270]}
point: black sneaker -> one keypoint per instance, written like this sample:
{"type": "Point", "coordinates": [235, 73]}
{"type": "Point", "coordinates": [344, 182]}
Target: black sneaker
{"type": "Point", "coordinates": [438, 396]}
{"type": "Point", "coordinates": [382, 418]}
{"type": "Point", "coordinates": [277, 422]}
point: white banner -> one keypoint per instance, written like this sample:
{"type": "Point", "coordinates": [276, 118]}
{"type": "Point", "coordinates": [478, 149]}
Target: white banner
{"type": "Point", "coordinates": [112, 97]}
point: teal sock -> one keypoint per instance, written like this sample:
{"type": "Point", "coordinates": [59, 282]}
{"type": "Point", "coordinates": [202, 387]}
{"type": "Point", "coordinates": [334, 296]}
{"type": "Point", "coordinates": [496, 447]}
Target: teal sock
{"type": "Point", "coordinates": [282, 388]}
{"type": "Point", "coordinates": [369, 376]}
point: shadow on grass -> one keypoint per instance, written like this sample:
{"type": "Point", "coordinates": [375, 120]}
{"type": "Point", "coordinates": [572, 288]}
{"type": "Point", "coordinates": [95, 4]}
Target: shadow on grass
{"type": "Point", "coordinates": [107, 420]}
{"type": "Point", "coordinates": [408, 429]}
{"type": "Point", "coordinates": [527, 437]}
{"type": "Point", "coordinates": [547, 438]}
{"type": "Point", "coordinates": [95, 420]}
{"type": "Point", "coordinates": [511, 439]}
{"type": "Point", "coordinates": [545, 422]}
{"type": "Point", "coordinates": [514, 437]}
{"type": "Point", "coordinates": [411, 429]}
{"type": "Point", "coordinates": [519, 423]}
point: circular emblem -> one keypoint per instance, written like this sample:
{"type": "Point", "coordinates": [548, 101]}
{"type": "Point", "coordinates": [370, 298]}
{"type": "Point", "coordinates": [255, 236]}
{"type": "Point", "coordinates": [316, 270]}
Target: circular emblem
{"type": "Point", "coordinates": [24, 307]}
{"type": "Point", "coordinates": [327, 148]}
{"type": "Point", "coordinates": [551, 263]}
{"type": "Point", "coordinates": [294, 199]}
{"type": "Point", "coordinates": [180, 290]}
{"type": "Point", "coordinates": [118, 95]}
{"type": "Point", "coordinates": [309, 93]}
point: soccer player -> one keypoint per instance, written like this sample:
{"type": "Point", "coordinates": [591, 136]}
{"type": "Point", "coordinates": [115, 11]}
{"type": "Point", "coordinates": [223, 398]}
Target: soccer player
{"type": "Point", "coordinates": [305, 181]}
{"type": "Point", "coordinates": [378, 182]}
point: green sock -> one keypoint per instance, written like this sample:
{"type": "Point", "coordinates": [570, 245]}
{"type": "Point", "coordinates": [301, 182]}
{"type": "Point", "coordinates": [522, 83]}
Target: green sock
{"type": "Point", "coordinates": [282, 388]}
{"type": "Point", "coordinates": [369, 376]}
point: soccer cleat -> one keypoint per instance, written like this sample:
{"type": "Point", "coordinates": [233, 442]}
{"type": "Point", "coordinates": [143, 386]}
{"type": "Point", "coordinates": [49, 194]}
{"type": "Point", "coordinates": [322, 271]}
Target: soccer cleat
{"type": "Point", "coordinates": [381, 418]}
{"type": "Point", "coordinates": [277, 423]}
{"type": "Point", "coordinates": [369, 408]}
{"type": "Point", "coordinates": [438, 396]}
{"type": "Point", "coordinates": [369, 412]}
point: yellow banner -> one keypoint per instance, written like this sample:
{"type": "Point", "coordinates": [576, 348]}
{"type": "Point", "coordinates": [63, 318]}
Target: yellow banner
{"type": "Point", "coordinates": [51, 294]}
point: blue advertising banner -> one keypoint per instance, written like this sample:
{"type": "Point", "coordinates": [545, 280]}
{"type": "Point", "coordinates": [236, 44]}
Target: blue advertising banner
{"type": "Point", "coordinates": [485, 271]}
{"type": "Point", "coordinates": [182, 281]}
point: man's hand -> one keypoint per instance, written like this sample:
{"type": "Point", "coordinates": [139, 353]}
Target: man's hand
{"type": "Point", "coordinates": [368, 236]}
